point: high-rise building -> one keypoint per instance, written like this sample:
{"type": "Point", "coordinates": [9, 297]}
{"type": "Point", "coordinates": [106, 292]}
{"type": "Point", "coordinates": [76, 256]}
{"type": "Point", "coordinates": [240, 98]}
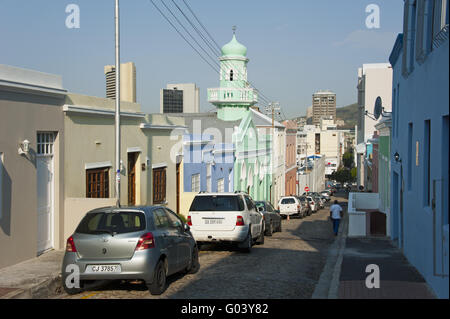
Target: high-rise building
{"type": "Point", "coordinates": [180, 98]}
{"type": "Point", "coordinates": [324, 105]}
{"type": "Point", "coordinates": [127, 82]}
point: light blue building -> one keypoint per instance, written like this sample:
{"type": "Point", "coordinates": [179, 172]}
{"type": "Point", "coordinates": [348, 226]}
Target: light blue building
{"type": "Point", "coordinates": [209, 154]}
{"type": "Point", "coordinates": [420, 141]}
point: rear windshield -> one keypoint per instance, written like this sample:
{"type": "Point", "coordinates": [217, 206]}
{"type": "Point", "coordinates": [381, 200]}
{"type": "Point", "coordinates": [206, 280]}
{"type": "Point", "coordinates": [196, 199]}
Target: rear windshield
{"type": "Point", "coordinates": [288, 201]}
{"type": "Point", "coordinates": [217, 203]}
{"type": "Point", "coordinates": [112, 223]}
{"type": "Point", "coordinates": [302, 199]}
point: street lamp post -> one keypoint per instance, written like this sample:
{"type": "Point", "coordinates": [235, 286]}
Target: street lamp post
{"type": "Point", "coordinates": [117, 114]}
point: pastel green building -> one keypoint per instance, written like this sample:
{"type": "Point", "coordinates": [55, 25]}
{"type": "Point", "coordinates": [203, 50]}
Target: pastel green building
{"type": "Point", "coordinates": [234, 99]}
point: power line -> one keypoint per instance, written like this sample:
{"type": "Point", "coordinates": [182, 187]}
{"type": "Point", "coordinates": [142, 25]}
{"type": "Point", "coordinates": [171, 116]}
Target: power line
{"type": "Point", "coordinates": [184, 38]}
{"type": "Point", "coordinates": [217, 67]}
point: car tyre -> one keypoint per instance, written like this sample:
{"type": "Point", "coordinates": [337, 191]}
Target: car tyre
{"type": "Point", "coordinates": [269, 231]}
{"type": "Point", "coordinates": [194, 265]}
{"type": "Point", "coordinates": [72, 291]}
{"type": "Point", "coordinates": [247, 244]}
{"type": "Point", "coordinates": [158, 285]}
{"type": "Point", "coordinates": [260, 240]}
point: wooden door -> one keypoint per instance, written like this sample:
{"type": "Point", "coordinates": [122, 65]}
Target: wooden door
{"type": "Point", "coordinates": [132, 158]}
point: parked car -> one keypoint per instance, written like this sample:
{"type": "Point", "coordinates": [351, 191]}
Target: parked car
{"type": "Point", "coordinates": [306, 208]}
{"type": "Point", "coordinates": [137, 243]}
{"type": "Point", "coordinates": [290, 206]}
{"type": "Point", "coordinates": [226, 217]}
{"type": "Point", "coordinates": [318, 198]}
{"type": "Point", "coordinates": [272, 217]}
{"type": "Point", "coordinates": [326, 194]}
{"type": "Point", "coordinates": [312, 203]}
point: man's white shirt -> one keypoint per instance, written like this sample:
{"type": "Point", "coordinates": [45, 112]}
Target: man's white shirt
{"type": "Point", "coordinates": [336, 211]}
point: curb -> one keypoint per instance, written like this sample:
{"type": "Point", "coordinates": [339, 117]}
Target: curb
{"type": "Point", "coordinates": [43, 290]}
{"type": "Point", "coordinates": [328, 284]}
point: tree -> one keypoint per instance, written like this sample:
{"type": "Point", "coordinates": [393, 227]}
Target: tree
{"type": "Point", "coordinates": [347, 159]}
{"type": "Point", "coordinates": [342, 175]}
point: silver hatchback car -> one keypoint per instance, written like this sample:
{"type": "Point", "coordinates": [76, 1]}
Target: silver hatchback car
{"type": "Point", "coordinates": [135, 243]}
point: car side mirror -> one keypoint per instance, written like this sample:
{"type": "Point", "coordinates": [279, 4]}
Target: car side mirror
{"type": "Point", "coordinates": [260, 209]}
{"type": "Point", "coordinates": [186, 228]}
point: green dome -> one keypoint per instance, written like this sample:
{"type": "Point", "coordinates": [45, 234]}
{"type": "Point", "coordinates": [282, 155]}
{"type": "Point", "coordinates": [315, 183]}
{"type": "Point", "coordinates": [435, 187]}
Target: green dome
{"type": "Point", "coordinates": [234, 48]}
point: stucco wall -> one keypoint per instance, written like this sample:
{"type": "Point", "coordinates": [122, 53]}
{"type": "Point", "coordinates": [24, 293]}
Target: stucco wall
{"type": "Point", "coordinates": [22, 115]}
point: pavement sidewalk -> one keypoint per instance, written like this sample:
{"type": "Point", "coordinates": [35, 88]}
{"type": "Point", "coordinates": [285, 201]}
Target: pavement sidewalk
{"type": "Point", "coordinates": [398, 278]}
{"type": "Point", "coordinates": [37, 278]}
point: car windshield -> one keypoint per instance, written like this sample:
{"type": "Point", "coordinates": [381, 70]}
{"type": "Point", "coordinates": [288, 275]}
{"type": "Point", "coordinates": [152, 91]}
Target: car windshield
{"type": "Point", "coordinates": [288, 201]}
{"type": "Point", "coordinates": [112, 223]}
{"type": "Point", "coordinates": [217, 203]}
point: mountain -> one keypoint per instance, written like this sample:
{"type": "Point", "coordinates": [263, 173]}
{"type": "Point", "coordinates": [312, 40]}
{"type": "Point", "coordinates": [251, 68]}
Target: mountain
{"type": "Point", "coordinates": [349, 114]}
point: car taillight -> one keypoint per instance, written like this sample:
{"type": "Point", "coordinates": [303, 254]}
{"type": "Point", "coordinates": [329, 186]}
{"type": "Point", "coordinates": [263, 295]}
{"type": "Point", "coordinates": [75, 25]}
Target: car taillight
{"type": "Point", "coordinates": [70, 246]}
{"type": "Point", "coordinates": [145, 242]}
{"type": "Point", "coordinates": [299, 206]}
{"type": "Point", "coordinates": [240, 221]}
{"type": "Point", "coordinates": [189, 221]}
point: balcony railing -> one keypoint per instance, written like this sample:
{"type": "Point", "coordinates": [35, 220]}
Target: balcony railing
{"type": "Point", "coordinates": [232, 95]}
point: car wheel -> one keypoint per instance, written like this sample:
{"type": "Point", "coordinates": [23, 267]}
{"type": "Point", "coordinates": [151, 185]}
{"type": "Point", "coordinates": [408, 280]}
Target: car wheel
{"type": "Point", "coordinates": [194, 264]}
{"type": "Point", "coordinates": [269, 231]}
{"type": "Point", "coordinates": [158, 286]}
{"type": "Point", "coordinates": [74, 290]}
{"type": "Point", "coordinates": [260, 240]}
{"type": "Point", "coordinates": [247, 244]}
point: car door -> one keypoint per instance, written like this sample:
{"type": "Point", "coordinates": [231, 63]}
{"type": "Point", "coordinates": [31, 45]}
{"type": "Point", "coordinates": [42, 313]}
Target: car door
{"type": "Point", "coordinates": [182, 240]}
{"type": "Point", "coordinates": [167, 238]}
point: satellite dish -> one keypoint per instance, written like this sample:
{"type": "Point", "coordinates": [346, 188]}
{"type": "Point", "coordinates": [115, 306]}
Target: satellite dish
{"type": "Point", "coordinates": [378, 108]}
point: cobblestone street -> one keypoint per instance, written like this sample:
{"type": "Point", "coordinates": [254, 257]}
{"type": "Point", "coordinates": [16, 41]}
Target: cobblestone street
{"type": "Point", "coordinates": [288, 265]}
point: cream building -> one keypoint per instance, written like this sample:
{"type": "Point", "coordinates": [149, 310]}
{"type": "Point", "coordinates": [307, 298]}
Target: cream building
{"type": "Point", "coordinates": [31, 164]}
{"type": "Point", "coordinates": [148, 175]}
{"type": "Point", "coordinates": [127, 82]}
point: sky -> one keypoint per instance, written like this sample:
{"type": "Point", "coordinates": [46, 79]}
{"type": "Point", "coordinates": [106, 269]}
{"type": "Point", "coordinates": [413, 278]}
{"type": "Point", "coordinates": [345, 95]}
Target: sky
{"type": "Point", "coordinates": [295, 47]}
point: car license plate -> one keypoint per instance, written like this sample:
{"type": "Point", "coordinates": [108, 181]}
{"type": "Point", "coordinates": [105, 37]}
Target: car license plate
{"type": "Point", "coordinates": [213, 221]}
{"type": "Point", "coordinates": [104, 268]}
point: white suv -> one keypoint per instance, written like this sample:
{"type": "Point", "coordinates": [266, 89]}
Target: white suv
{"type": "Point", "coordinates": [290, 205]}
{"type": "Point", "coordinates": [226, 217]}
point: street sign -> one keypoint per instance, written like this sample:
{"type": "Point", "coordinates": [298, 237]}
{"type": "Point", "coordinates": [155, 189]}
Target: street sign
{"type": "Point", "coordinates": [306, 189]}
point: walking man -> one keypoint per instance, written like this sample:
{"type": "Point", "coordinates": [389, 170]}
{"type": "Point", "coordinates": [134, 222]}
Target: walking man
{"type": "Point", "coordinates": [336, 214]}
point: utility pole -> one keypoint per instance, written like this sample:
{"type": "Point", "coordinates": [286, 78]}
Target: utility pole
{"type": "Point", "coordinates": [117, 115]}
{"type": "Point", "coordinates": [271, 109]}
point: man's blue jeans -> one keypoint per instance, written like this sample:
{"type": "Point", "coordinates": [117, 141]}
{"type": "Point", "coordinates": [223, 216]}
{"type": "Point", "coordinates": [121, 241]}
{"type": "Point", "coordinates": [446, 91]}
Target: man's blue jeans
{"type": "Point", "coordinates": [335, 225]}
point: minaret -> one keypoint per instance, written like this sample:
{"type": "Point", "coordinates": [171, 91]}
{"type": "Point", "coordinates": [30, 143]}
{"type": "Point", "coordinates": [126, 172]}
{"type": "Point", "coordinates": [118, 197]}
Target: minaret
{"type": "Point", "coordinates": [235, 96]}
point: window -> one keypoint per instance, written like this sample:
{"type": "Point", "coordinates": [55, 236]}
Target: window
{"type": "Point", "coordinates": [410, 154]}
{"type": "Point", "coordinates": [45, 143]}
{"type": "Point", "coordinates": [97, 183]}
{"type": "Point", "coordinates": [117, 222]}
{"type": "Point", "coordinates": [426, 162]}
{"type": "Point", "coordinates": [175, 221]}
{"type": "Point", "coordinates": [159, 185]}
{"type": "Point", "coordinates": [440, 16]}
{"type": "Point", "coordinates": [195, 182]}
{"type": "Point", "coordinates": [221, 203]}
{"type": "Point", "coordinates": [160, 219]}
{"type": "Point", "coordinates": [220, 185]}
{"type": "Point", "coordinates": [249, 203]}
{"type": "Point", "coordinates": [208, 177]}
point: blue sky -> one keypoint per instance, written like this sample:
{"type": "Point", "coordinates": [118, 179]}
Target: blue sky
{"type": "Point", "coordinates": [295, 47]}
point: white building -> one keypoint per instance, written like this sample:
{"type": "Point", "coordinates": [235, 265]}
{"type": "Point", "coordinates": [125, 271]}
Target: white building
{"type": "Point", "coordinates": [374, 80]}
{"type": "Point", "coordinates": [323, 140]}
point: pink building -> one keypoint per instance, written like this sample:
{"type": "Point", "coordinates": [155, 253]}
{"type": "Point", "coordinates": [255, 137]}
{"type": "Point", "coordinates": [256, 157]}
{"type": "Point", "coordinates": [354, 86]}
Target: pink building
{"type": "Point", "coordinates": [291, 158]}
